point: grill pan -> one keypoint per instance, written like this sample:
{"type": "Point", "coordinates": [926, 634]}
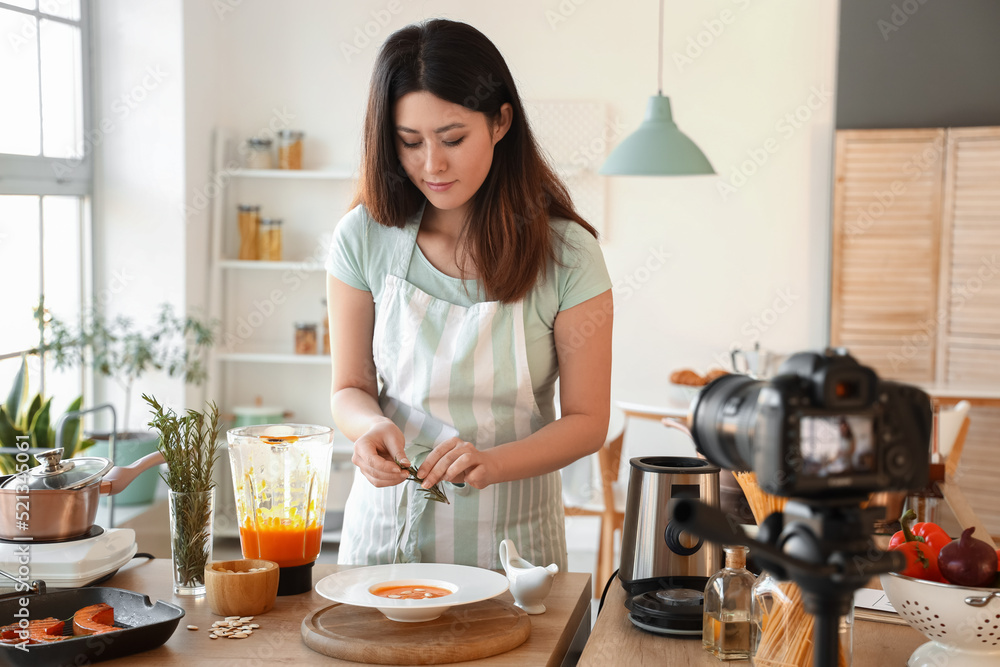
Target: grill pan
{"type": "Point", "coordinates": [144, 626]}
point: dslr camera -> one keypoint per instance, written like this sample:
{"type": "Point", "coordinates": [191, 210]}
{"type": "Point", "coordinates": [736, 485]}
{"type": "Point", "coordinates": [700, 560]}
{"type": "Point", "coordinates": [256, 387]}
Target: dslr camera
{"type": "Point", "coordinates": [824, 427]}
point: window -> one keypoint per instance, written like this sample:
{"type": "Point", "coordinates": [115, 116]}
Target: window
{"type": "Point", "coordinates": [45, 180]}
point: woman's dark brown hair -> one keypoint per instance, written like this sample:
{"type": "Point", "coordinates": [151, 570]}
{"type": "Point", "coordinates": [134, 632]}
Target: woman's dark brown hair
{"type": "Point", "coordinates": [508, 235]}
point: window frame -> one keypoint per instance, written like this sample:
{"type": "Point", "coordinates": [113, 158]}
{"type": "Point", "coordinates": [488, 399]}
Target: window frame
{"type": "Point", "coordinates": [43, 176]}
{"type": "Point", "coordinates": [40, 175]}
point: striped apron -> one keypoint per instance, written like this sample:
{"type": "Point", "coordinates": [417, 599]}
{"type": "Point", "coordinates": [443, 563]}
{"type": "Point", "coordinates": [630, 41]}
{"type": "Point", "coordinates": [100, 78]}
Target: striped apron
{"type": "Point", "coordinates": [449, 370]}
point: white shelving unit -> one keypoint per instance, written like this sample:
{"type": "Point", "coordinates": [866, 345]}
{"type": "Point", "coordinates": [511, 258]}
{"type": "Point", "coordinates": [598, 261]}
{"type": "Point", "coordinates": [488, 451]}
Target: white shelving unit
{"type": "Point", "coordinates": [297, 174]}
{"type": "Point", "coordinates": [257, 303]}
{"type": "Point", "coordinates": [252, 265]}
{"type": "Point", "coordinates": [275, 358]}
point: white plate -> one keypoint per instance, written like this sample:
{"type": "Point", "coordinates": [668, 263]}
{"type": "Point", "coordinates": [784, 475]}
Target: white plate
{"type": "Point", "coordinates": [470, 584]}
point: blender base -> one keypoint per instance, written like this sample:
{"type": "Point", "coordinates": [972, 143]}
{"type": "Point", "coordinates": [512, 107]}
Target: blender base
{"type": "Point", "coordinates": [295, 580]}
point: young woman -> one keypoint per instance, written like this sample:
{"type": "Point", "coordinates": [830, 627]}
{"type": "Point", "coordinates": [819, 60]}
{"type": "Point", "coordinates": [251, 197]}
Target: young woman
{"type": "Point", "coordinates": [461, 286]}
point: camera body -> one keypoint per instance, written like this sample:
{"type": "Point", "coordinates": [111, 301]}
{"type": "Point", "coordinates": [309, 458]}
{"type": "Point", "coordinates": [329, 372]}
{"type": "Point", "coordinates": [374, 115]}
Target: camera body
{"type": "Point", "coordinates": [824, 427]}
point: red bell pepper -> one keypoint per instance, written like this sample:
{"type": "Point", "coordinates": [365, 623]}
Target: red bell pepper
{"type": "Point", "coordinates": [927, 533]}
{"type": "Point", "coordinates": [921, 561]}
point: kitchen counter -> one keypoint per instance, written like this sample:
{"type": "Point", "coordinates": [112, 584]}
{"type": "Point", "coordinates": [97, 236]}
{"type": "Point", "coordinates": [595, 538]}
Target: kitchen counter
{"type": "Point", "coordinates": [615, 641]}
{"type": "Point", "coordinates": [279, 642]}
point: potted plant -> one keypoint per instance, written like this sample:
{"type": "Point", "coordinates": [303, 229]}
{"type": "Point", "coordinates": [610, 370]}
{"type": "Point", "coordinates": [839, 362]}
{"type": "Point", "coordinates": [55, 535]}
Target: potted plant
{"type": "Point", "coordinates": [21, 418]}
{"type": "Point", "coordinates": [124, 351]}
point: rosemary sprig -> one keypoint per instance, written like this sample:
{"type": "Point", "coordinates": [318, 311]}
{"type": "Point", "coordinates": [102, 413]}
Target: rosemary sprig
{"type": "Point", "coordinates": [189, 445]}
{"type": "Point", "coordinates": [434, 493]}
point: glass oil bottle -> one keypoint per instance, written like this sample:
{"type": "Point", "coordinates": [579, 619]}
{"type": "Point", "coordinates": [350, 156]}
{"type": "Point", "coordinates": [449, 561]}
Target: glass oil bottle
{"type": "Point", "coordinates": [726, 623]}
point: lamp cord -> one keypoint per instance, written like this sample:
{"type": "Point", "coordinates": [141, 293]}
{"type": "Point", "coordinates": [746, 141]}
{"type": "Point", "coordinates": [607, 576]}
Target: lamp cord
{"type": "Point", "coordinates": [659, 61]}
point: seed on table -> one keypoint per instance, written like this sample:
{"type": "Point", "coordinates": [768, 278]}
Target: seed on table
{"type": "Point", "coordinates": [213, 636]}
{"type": "Point", "coordinates": [232, 618]}
{"type": "Point", "coordinates": [192, 627]}
{"type": "Point", "coordinates": [254, 626]}
{"type": "Point", "coordinates": [246, 619]}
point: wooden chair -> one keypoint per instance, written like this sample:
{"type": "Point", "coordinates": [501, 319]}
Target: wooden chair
{"type": "Point", "coordinates": [952, 492]}
{"type": "Point", "coordinates": [952, 426]}
{"type": "Point", "coordinates": [610, 510]}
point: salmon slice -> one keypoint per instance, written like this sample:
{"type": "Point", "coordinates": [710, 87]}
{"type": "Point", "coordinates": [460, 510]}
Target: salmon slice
{"type": "Point", "coordinates": [40, 631]}
{"type": "Point", "coordinates": [94, 620]}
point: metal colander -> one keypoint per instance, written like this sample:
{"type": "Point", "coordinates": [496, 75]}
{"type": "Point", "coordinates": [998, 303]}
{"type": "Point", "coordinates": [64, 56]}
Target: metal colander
{"type": "Point", "coordinates": [962, 624]}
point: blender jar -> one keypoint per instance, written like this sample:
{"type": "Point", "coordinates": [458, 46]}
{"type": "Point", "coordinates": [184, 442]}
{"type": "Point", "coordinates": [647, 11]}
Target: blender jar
{"type": "Point", "coordinates": [281, 473]}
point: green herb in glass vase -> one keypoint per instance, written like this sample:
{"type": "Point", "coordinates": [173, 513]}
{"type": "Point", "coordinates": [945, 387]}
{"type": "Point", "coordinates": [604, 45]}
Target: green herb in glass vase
{"type": "Point", "coordinates": [189, 444]}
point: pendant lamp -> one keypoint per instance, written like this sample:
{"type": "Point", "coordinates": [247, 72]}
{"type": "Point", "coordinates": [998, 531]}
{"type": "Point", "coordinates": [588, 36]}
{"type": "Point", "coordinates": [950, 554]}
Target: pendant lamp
{"type": "Point", "coordinates": [658, 147]}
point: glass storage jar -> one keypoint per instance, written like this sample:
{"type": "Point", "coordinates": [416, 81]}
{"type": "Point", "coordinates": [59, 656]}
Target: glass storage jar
{"type": "Point", "coordinates": [290, 149]}
{"type": "Point", "coordinates": [325, 327]}
{"type": "Point", "coordinates": [783, 631]}
{"type": "Point", "coordinates": [305, 338]}
{"type": "Point", "coordinates": [270, 239]}
{"type": "Point", "coordinates": [259, 155]}
{"type": "Point", "coordinates": [248, 220]}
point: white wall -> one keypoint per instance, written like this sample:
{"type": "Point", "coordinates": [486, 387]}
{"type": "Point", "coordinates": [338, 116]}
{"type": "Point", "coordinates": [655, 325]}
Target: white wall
{"type": "Point", "coordinates": [735, 259]}
{"type": "Point", "coordinates": [140, 257]}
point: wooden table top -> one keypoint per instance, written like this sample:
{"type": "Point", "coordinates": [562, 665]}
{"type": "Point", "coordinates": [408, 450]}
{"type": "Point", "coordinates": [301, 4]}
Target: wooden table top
{"type": "Point", "coordinates": [279, 642]}
{"type": "Point", "coordinates": [615, 641]}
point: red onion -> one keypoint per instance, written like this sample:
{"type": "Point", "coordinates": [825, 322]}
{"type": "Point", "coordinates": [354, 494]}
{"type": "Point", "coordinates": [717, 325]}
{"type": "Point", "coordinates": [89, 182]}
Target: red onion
{"type": "Point", "coordinates": [968, 561]}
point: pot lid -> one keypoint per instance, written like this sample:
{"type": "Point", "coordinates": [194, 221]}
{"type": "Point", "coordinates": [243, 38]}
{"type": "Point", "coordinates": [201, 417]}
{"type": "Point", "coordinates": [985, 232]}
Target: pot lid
{"type": "Point", "coordinates": [57, 474]}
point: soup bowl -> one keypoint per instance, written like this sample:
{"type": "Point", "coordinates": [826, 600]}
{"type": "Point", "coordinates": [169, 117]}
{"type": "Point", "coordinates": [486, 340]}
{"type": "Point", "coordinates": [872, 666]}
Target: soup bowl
{"type": "Point", "coordinates": [362, 586]}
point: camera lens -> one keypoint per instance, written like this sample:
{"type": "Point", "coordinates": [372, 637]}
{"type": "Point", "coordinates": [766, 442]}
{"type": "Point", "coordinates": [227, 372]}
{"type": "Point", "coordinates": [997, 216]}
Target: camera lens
{"type": "Point", "coordinates": [723, 420]}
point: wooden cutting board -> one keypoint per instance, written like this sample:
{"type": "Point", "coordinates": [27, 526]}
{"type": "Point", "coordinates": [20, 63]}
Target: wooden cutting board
{"type": "Point", "coordinates": [467, 632]}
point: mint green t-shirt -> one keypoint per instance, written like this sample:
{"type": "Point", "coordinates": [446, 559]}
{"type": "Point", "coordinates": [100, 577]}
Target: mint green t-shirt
{"type": "Point", "coordinates": [361, 257]}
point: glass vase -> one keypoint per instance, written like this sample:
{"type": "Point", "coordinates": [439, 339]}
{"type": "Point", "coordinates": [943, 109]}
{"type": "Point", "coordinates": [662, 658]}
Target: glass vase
{"type": "Point", "coordinates": [783, 631]}
{"type": "Point", "coordinates": [191, 516]}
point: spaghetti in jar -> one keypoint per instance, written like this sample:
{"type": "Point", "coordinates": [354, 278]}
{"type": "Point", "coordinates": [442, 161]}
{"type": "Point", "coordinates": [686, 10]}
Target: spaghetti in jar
{"type": "Point", "coordinates": [290, 149]}
{"type": "Point", "coordinates": [782, 633]}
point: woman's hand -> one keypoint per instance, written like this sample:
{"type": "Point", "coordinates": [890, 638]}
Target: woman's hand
{"type": "Point", "coordinates": [458, 461]}
{"type": "Point", "coordinates": [376, 453]}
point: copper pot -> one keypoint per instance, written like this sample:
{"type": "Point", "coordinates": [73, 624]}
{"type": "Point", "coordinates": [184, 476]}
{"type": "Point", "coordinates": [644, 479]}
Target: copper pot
{"type": "Point", "coordinates": [58, 500]}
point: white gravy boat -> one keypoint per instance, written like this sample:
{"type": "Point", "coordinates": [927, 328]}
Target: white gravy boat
{"type": "Point", "coordinates": [529, 584]}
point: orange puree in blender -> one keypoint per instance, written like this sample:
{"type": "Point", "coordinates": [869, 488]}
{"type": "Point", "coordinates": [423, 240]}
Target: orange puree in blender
{"type": "Point", "coordinates": [287, 542]}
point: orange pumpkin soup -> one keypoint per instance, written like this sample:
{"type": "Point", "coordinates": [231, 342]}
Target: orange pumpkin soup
{"type": "Point", "coordinates": [410, 592]}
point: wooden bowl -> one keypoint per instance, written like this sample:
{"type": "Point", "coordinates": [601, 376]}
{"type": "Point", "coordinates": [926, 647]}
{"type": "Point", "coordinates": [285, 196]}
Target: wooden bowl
{"type": "Point", "coordinates": [241, 592]}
